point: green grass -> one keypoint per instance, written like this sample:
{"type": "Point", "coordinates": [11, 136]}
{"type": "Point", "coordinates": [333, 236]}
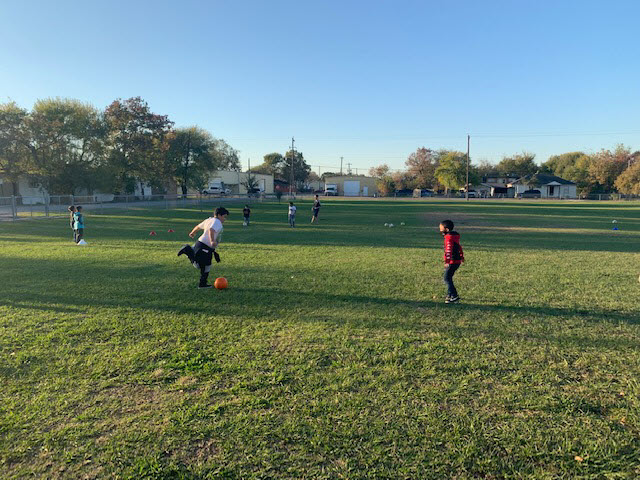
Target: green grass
{"type": "Point", "coordinates": [332, 354]}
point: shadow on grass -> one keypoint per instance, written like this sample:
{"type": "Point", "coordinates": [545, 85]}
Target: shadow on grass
{"type": "Point", "coordinates": [139, 289]}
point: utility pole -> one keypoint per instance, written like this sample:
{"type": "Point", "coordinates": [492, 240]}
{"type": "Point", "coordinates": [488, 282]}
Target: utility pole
{"type": "Point", "coordinates": [293, 157]}
{"type": "Point", "coordinates": [348, 168]}
{"type": "Point", "coordinates": [341, 166]}
{"type": "Point", "coordinates": [468, 143]}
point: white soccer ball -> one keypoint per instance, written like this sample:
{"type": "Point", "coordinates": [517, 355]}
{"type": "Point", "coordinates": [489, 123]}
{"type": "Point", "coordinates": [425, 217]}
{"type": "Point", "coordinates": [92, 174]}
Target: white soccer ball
{"type": "Point", "coordinates": [402, 223]}
{"type": "Point", "coordinates": [615, 221]}
{"type": "Point", "coordinates": [391, 225]}
{"type": "Point", "coordinates": [386, 224]}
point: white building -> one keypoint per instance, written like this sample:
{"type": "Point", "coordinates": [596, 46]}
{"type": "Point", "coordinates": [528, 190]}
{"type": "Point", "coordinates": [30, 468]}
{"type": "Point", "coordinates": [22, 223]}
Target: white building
{"type": "Point", "coordinates": [236, 181]}
{"type": "Point", "coordinates": [546, 185]}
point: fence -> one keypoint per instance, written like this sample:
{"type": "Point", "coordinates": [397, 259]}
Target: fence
{"type": "Point", "coordinates": [18, 207]}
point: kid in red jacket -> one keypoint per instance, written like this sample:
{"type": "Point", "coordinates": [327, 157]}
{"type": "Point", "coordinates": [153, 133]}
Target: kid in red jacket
{"type": "Point", "coordinates": [453, 257]}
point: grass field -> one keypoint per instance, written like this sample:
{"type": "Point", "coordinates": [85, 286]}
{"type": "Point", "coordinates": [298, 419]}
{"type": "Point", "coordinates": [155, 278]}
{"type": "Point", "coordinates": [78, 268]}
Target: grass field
{"type": "Point", "coordinates": [332, 354]}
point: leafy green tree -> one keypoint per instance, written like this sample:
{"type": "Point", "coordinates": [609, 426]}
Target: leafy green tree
{"type": "Point", "coordinates": [66, 144]}
{"type": "Point", "coordinates": [14, 139]}
{"type": "Point", "coordinates": [300, 168]}
{"type": "Point", "coordinates": [452, 171]}
{"type": "Point", "coordinates": [519, 164]}
{"type": "Point", "coordinates": [629, 180]}
{"type": "Point", "coordinates": [384, 180]}
{"type": "Point", "coordinates": [137, 143]}
{"type": "Point", "coordinates": [573, 166]}
{"type": "Point", "coordinates": [272, 164]}
{"type": "Point", "coordinates": [606, 166]}
{"type": "Point", "coordinates": [190, 157]}
{"type": "Point", "coordinates": [422, 165]}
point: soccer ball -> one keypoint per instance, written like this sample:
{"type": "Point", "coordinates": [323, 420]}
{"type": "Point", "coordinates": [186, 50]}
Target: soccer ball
{"type": "Point", "coordinates": [386, 224]}
{"type": "Point", "coordinates": [391, 225]}
{"type": "Point", "coordinates": [615, 221]}
{"type": "Point", "coordinates": [221, 283]}
{"type": "Point", "coordinates": [402, 223]}
{"type": "Point", "coordinates": [244, 224]}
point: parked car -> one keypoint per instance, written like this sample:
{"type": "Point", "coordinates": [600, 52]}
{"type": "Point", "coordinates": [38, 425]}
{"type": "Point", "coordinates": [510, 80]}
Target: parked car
{"type": "Point", "coordinates": [216, 190]}
{"type": "Point", "coordinates": [530, 194]}
{"type": "Point", "coordinates": [425, 192]}
{"type": "Point", "coordinates": [405, 192]}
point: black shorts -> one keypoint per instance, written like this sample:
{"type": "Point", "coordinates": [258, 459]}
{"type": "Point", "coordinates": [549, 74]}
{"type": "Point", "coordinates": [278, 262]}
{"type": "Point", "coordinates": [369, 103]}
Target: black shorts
{"type": "Point", "coordinates": [316, 211]}
{"type": "Point", "coordinates": [202, 253]}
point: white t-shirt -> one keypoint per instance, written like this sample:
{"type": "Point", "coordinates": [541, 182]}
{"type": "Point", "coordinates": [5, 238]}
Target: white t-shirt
{"type": "Point", "coordinates": [211, 223]}
{"type": "Point", "coordinates": [292, 209]}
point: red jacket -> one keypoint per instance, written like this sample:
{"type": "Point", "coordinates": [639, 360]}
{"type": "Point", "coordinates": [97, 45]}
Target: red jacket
{"type": "Point", "coordinates": [453, 254]}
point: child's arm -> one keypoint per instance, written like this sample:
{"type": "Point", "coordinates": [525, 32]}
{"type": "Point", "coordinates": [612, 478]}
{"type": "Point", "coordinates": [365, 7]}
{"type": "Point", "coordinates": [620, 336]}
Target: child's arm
{"type": "Point", "coordinates": [192, 233]}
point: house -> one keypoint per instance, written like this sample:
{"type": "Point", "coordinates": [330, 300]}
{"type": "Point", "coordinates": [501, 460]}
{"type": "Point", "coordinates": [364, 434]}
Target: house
{"type": "Point", "coordinates": [354, 185]}
{"type": "Point", "coordinates": [495, 184]}
{"type": "Point", "coordinates": [546, 185]}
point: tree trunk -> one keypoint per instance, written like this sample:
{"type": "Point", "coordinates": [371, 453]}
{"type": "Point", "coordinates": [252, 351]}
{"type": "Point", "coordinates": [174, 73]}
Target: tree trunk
{"type": "Point", "coordinates": [184, 189]}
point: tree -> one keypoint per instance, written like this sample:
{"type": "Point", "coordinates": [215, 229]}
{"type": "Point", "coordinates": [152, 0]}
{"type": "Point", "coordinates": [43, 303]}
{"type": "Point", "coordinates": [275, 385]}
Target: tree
{"type": "Point", "coordinates": [251, 183]}
{"type": "Point", "coordinates": [137, 143]}
{"type": "Point", "coordinates": [606, 167]}
{"type": "Point", "coordinates": [519, 164]}
{"type": "Point", "coordinates": [572, 166]}
{"type": "Point", "coordinates": [226, 156]}
{"type": "Point", "coordinates": [272, 164]}
{"type": "Point", "coordinates": [629, 180]}
{"type": "Point", "coordinates": [384, 180]}
{"type": "Point", "coordinates": [66, 144]}
{"type": "Point", "coordinates": [190, 157]}
{"type": "Point", "coordinates": [452, 171]}
{"type": "Point", "coordinates": [300, 168]}
{"type": "Point", "coordinates": [422, 166]}
{"type": "Point", "coordinates": [403, 180]}
{"type": "Point", "coordinates": [14, 139]}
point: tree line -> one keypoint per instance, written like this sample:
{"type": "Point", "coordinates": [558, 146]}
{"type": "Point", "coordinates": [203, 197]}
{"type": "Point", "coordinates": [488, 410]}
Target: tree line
{"type": "Point", "coordinates": [606, 171]}
{"type": "Point", "coordinates": [68, 146]}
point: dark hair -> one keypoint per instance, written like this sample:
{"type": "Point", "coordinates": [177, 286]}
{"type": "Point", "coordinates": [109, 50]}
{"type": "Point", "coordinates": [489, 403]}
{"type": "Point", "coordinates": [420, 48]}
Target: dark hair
{"type": "Point", "coordinates": [70, 208]}
{"type": "Point", "coordinates": [448, 224]}
{"type": "Point", "coordinates": [221, 211]}
{"type": "Point", "coordinates": [290, 203]}
{"type": "Point", "coordinates": [78, 207]}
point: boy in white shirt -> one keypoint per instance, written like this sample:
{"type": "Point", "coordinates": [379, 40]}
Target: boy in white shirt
{"type": "Point", "coordinates": [292, 215]}
{"type": "Point", "coordinates": [205, 247]}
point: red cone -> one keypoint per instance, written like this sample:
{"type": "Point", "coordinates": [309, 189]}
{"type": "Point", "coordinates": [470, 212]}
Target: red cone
{"type": "Point", "coordinates": [170, 230]}
{"type": "Point", "coordinates": [152, 232]}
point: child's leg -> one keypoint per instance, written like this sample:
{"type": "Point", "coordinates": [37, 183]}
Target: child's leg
{"type": "Point", "coordinates": [449, 271]}
{"type": "Point", "coordinates": [204, 275]}
{"type": "Point", "coordinates": [80, 234]}
{"type": "Point", "coordinates": [188, 251]}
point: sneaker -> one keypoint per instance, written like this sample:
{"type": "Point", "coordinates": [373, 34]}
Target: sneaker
{"type": "Point", "coordinates": [205, 286]}
{"type": "Point", "coordinates": [182, 250]}
{"type": "Point", "coordinates": [452, 300]}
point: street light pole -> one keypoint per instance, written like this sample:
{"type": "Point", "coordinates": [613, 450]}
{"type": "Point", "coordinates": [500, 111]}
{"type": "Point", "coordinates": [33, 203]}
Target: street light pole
{"type": "Point", "coordinates": [468, 144]}
{"type": "Point", "coordinates": [293, 156]}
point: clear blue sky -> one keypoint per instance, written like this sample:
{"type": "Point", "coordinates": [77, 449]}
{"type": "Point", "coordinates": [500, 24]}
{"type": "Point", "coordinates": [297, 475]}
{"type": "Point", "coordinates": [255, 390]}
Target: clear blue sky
{"type": "Point", "coordinates": [367, 80]}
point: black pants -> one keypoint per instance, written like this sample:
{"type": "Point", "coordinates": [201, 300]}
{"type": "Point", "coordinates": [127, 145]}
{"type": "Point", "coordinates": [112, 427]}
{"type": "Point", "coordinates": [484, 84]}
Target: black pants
{"type": "Point", "coordinates": [201, 255]}
{"type": "Point", "coordinates": [449, 271]}
{"type": "Point", "coordinates": [79, 234]}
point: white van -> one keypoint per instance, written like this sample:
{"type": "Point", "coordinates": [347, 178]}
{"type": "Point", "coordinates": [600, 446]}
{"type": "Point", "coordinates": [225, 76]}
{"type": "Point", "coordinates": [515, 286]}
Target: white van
{"type": "Point", "coordinates": [330, 189]}
{"type": "Point", "coordinates": [216, 189]}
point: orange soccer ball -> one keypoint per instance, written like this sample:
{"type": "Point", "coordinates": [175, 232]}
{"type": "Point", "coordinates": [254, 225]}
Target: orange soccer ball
{"type": "Point", "coordinates": [221, 283]}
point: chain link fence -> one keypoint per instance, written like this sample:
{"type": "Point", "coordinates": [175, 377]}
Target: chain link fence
{"type": "Point", "coordinates": [19, 207]}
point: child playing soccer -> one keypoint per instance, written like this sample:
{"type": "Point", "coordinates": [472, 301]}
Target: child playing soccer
{"type": "Point", "coordinates": [315, 210]}
{"type": "Point", "coordinates": [72, 210]}
{"type": "Point", "coordinates": [246, 212]}
{"type": "Point", "coordinates": [292, 215]}
{"type": "Point", "coordinates": [453, 257]}
{"type": "Point", "coordinates": [78, 224]}
{"type": "Point", "coordinates": [205, 247]}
